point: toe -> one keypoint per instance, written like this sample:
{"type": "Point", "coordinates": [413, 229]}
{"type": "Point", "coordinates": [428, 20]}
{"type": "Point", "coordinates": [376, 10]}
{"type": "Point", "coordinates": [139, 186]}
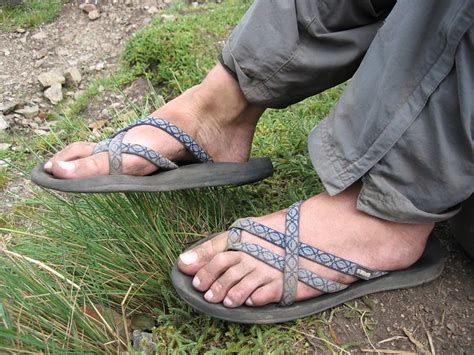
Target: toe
{"type": "Point", "coordinates": [73, 151]}
{"type": "Point", "coordinates": [191, 261]}
{"type": "Point", "coordinates": [219, 288]}
{"type": "Point", "coordinates": [213, 270]}
{"type": "Point", "coordinates": [74, 169]}
{"type": "Point", "coordinates": [239, 293]}
{"type": "Point", "coordinates": [269, 293]}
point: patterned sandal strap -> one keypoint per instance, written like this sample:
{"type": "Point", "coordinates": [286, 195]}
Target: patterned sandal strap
{"type": "Point", "coordinates": [307, 251]}
{"type": "Point", "coordinates": [115, 154]}
{"type": "Point", "coordinates": [137, 149]}
{"type": "Point", "coordinates": [278, 262]}
{"type": "Point", "coordinates": [290, 274]}
{"type": "Point", "coordinates": [190, 144]}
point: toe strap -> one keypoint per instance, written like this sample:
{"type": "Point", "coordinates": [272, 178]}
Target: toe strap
{"type": "Point", "coordinates": [116, 147]}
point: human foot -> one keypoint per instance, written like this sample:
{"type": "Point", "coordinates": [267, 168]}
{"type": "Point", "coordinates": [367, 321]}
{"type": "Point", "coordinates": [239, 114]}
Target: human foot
{"type": "Point", "coordinates": [331, 224]}
{"type": "Point", "coordinates": [214, 113]}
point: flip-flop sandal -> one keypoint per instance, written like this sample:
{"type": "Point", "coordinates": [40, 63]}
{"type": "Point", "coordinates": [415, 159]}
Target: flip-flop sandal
{"type": "Point", "coordinates": [427, 268]}
{"type": "Point", "coordinates": [169, 176]}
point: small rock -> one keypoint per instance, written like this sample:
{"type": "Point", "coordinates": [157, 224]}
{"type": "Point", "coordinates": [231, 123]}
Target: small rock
{"type": "Point", "coordinates": [3, 123]}
{"type": "Point", "coordinates": [42, 115]}
{"type": "Point", "coordinates": [152, 10]}
{"type": "Point", "coordinates": [20, 30]}
{"type": "Point", "coordinates": [28, 111]}
{"type": "Point", "coordinates": [100, 66]}
{"type": "Point", "coordinates": [5, 146]}
{"type": "Point", "coordinates": [87, 8]}
{"type": "Point", "coordinates": [54, 93]}
{"type": "Point", "coordinates": [94, 15]}
{"type": "Point", "coordinates": [9, 106]}
{"type": "Point", "coordinates": [143, 342]}
{"type": "Point", "coordinates": [50, 78]}
{"type": "Point", "coordinates": [6, 52]}
{"type": "Point", "coordinates": [168, 18]}
{"type": "Point", "coordinates": [39, 36]}
{"type": "Point", "coordinates": [73, 76]}
{"type": "Point", "coordinates": [40, 132]}
{"type": "Point", "coordinates": [450, 326]}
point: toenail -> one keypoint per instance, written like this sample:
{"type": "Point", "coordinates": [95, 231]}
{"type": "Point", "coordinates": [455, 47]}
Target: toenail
{"type": "Point", "coordinates": [189, 257]}
{"type": "Point", "coordinates": [227, 302]}
{"type": "Point", "coordinates": [196, 281]}
{"type": "Point", "coordinates": [209, 295]}
{"type": "Point", "coordinates": [67, 165]}
{"type": "Point", "coordinates": [48, 165]}
{"type": "Point", "coordinates": [249, 302]}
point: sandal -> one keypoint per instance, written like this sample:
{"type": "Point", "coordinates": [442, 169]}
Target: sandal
{"type": "Point", "coordinates": [170, 175]}
{"type": "Point", "coordinates": [427, 268]}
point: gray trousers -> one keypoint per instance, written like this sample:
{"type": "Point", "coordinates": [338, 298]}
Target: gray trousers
{"type": "Point", "coordinates": [403, 125]}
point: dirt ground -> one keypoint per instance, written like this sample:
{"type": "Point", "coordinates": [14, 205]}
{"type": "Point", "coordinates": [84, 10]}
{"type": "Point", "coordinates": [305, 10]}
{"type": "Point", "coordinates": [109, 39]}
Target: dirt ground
{"type": "Point", "coordinates": [436, 317]}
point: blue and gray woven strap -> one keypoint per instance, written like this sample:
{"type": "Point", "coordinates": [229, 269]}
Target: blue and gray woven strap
{"type": "Point", "coordinates": [289, 265]}
{"type": "Point", "coordinates": [116, 147]}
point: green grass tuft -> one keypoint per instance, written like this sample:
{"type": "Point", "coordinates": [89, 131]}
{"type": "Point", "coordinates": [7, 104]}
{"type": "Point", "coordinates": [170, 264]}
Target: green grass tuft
{"type": "Point", "coordinates": [31, 13]}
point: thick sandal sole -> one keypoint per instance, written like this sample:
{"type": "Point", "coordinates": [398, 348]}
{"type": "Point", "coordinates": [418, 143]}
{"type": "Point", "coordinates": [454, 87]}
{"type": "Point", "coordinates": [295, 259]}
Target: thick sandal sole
{"type": "Point", "coordinates": [426, 269]}
{"type": "Point", "coordinates": [185, 177]}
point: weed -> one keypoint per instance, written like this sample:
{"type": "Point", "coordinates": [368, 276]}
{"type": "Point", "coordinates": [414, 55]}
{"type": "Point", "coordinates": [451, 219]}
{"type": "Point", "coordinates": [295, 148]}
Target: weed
{"type": "Point", "coordinates": [30, 14]}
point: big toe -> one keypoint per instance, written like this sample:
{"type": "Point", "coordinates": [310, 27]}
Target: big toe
{"type": "Point", "coordinates": [191, 261]}
{"type": "Point", "coordinates": [80, 168]}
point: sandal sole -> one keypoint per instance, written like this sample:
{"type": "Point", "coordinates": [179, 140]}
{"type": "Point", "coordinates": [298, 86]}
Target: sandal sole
{"type": "Point", "coordinates": [185, 177]}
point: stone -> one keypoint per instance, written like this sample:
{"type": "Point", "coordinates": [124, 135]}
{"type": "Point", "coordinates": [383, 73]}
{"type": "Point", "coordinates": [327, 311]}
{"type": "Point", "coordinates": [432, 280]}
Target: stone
{"type": "Point", "coordinates": [168, 18]}
{"type": "Point", "coordinates": [3, 123]}
{"type": "Point", "coordinates": [73, 76]}
{"type": "Point", "coordinates": [39, 36]}
{"type": "Point", "coordinates": [100, 66]}
{"type": "Point", "coordinates": [143, 342]}
{"type": "Point", "coordinates": [94, 15]}
{"type": "Point", "coordinates": [20, 30]}
{"type": "Point", "coordinates": [9, 106]}
{"type": "Point", "coordinates": [88, 8]}
{"type": "Point", "coordinates": [152, 10]}
{"type": "Point", "coordinates": [40, 132]}
{"type": "Point", "coordinates": [50, 78]}
{"type": "Point", "coordinates": [54, 94]}
{"type": "Point", "coordinates": [5, 146]}
{"type": "Point", "coordinates": [28, 111]}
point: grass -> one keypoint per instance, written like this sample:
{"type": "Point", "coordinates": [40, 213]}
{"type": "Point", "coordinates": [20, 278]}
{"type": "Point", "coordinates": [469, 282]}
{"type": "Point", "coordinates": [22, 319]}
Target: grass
{"type": "Point", "coordinates": [31, 13]}
{"type": "Point", "coordinates": [76, 254]}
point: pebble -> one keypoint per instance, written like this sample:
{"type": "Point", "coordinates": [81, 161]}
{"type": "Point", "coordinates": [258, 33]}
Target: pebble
{"type": "Point", "coordinates": [50, 78]}
{"type": "Point", "coordinates": [20, 30]}
{"type": "Point", "coordinates": [94, 15]}
{"type": "Point", "coordinates": [100, 66]}
{"type": "Point", "coordinates": [5, 146]}
{"type": "Point", "coordinates": [39, 36]}
{"type": "Point", "coordinates": [87, 7]}
{"type": "Point", "coordinates": [73, 76]}
{"type": "Point", "coordinates": [54, 94]}
{"type": "Point", "coordinates": [9, 106]}
{"type": "Point", "coordinates": [143, 342]}
{"type": "Point", "coordinates": [28, 111]}
{"type": "Point", "coordinates": [168, 18]}
{"type": "Point", "coordinates": [153, 10]}
{"type": "Point", "coordinates": [3, 123]}
{"type": "Point", "coordinates": [40, 132]}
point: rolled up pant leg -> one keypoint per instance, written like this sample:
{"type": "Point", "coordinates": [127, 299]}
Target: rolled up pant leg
{"type": "Point", "coordinates": [283, 51]}
{"type": "Point", "coordinates": [405, 122]}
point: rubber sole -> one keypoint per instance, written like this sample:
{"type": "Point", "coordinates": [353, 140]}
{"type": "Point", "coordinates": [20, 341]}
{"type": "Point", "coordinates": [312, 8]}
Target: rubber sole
{"type": "Point", "coordinates": [426, 269]}
{"type": "Point", "coordinates": [185, 177]}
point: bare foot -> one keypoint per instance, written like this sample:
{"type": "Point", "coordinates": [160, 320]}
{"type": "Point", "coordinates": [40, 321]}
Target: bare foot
{"type": "Point", "coordinates": [215, 113]}
{"type": "Point", "coordinates": [332, 224]}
